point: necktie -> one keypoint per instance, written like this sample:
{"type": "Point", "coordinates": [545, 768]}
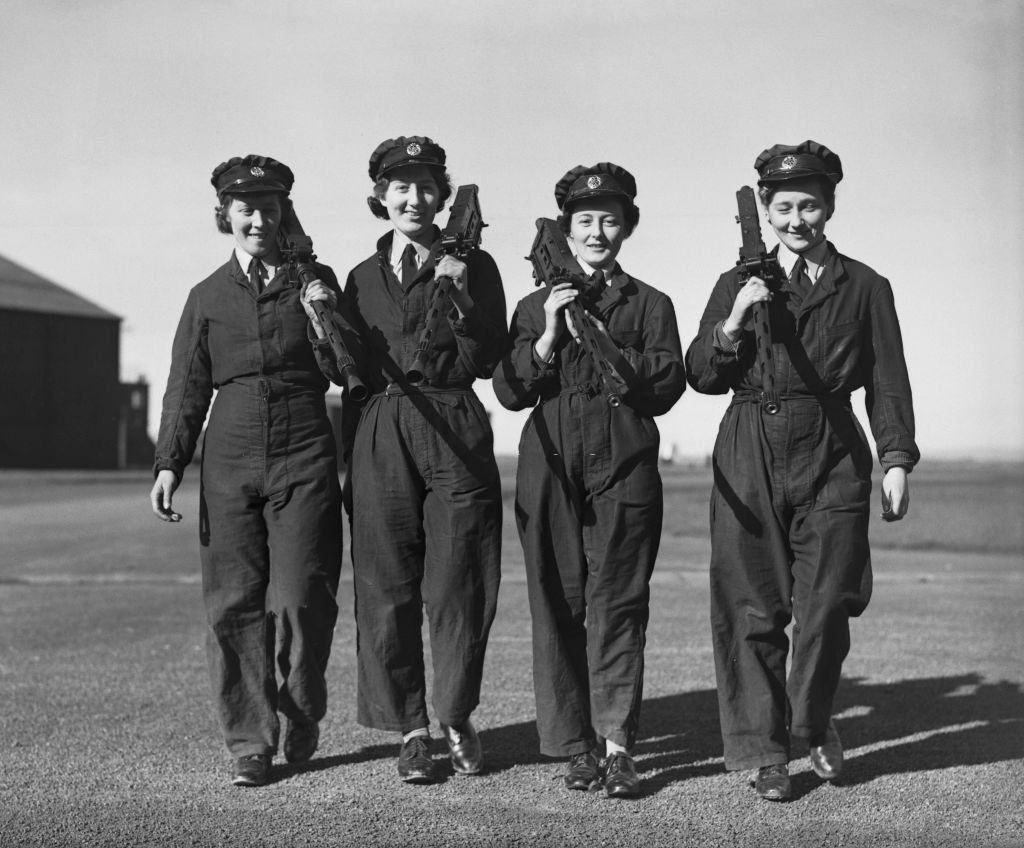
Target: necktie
{"type": "Point", "coordinates": [799, 282]}
{"type": "Point", "coordinates": [256, 275]}
{"type": "Point", "coordinates": [409, 269]}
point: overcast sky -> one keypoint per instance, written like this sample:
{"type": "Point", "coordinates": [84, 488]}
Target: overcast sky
{"type": "Point", "coordinates": [114, 114]}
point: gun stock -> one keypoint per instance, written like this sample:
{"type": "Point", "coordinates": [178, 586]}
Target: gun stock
{"type": "Point", "coordinates": [297, 252]}
{"type": "Point", "coordinates": [461, 234]}
{"type": "Point", "coordinates": [554, 263]}
{"type": "Point", "coordinates": [756, 261]}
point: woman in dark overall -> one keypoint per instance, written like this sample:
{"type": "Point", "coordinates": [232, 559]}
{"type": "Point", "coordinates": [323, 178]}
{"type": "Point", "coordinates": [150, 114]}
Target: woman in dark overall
{"type": "Point", "coordinates": [270, 516]}
{"type": "Point", "coordinates": [790, 503]}
{"type": "Point", "coordinates": [588, 491]}
{"type": "Point", "coordinates": [426, 497]}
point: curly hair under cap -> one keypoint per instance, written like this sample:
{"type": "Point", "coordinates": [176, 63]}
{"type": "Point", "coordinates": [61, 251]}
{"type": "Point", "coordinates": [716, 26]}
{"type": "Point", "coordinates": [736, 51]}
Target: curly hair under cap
{"type": "Point", "coordinates": [441, 177]}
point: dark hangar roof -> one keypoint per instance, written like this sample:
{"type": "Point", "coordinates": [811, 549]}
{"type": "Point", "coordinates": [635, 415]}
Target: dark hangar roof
{"type": "Point", "coordinates": [26, 291]}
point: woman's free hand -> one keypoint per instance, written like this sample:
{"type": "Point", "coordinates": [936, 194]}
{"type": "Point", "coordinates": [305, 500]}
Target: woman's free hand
{"type": "Point", "coordinates": [162, 495]}
{"type": "Point", "coordinates": [895, 494]}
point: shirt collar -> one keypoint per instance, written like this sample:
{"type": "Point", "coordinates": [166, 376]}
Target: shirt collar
{"type": "Point", "coordinates": [609, 273]}
{"type": "Point", "coordinates": [244, 260]}
{"type": "Point", "coordinates": [398, 244]}
{"type": "Point", "coordinates": [815, 259]}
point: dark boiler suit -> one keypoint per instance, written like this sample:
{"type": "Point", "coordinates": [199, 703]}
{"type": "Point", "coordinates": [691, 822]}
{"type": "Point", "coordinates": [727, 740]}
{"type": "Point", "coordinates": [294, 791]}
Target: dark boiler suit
{"type": "Point", "coordinates": [270, 516]}
{"type": "Point", "coordinates": [790, 502]}
{"type": "Point", "coordinates": [426, 496]}
{"type": "Point", "coordinates": [589, 509]}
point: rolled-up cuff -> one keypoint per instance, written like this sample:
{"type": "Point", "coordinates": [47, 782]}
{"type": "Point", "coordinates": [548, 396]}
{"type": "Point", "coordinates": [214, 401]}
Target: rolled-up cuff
{"type": "Point", "coordinates": [897, 459]}
{"type": "Point", "coordinates": [723, 344]}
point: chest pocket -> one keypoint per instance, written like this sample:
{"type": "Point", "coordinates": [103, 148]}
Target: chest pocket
{"type": "Point", "coordinates": [841, 347]}
{"type": "Point", "coordinates": [633, 339]}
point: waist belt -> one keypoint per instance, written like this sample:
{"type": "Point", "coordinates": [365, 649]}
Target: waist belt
{"type": "Point", "coordinates": [398, 389]}
{"type": "Point", "coordinates": [751, 396]}
{"type": "Point", "coordinates": [588, 390]}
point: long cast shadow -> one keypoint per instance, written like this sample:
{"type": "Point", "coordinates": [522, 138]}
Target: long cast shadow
{"type": "Point", "coordinates": [907, 726]}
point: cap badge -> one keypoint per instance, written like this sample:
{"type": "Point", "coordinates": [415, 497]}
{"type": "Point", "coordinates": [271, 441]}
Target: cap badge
{"type": "Point", "coordinates": [414, 149]}
{"type": "Point", "coordinates": [256, 171]}
{"type": "Point", "coordinates": [594, 182]}
{"type": "Point", "coordinates": [788, 162]}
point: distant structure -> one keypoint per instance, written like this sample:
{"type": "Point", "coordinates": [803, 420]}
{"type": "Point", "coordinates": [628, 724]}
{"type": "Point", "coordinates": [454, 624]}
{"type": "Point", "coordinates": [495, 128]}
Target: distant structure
{"type": "Point", "coordinates": [63, 405]}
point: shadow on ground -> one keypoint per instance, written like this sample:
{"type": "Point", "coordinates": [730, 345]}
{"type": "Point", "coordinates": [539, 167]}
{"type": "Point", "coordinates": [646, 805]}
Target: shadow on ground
{"type": "Point", "coordinates": [906, 726]}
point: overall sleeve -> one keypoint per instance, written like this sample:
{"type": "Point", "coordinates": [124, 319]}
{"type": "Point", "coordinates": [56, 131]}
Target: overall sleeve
{"type": "Point", "coordinates": [659, 368]}
{"type": "Point", "coordinates": [887, 396]}
{"type": "Point", "coordinates": [189, 390]}
{"type": "Point", "coordinates": [481, 335]}
{"type": "Point", "coordinates": [713, 364]}
{"type": "Point", "coordinates": [521, 377]}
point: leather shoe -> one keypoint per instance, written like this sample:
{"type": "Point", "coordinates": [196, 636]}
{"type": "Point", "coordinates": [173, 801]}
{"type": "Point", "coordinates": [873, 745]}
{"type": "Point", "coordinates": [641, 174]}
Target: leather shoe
{"type": "Point", "coordinates": [583, 772]}
{"type": "Point", "coordinates": [300, 740]}
{"type": "Point", "coordinates": [772, 782]}
{"type": "Point", "coordinates": [252, 770]}
{"type": "Point", "coordinates": [620, 777]}
{"type": "Point", "coordinates": [414, 762]}
{"type": "Point", "coordinates": [827, 753]}
{"type": "Point", "coordinates": [464, 745]}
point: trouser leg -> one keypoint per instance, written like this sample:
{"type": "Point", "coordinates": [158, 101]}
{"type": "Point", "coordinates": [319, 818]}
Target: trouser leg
{"type": "Point", "coordinates": [621, 545]}
{"type": "Point", "coordinates": [832, 582]}
{"type": "Point", "coordinates": [304, 525]}
{"type": "Point", "coordinates": [387, 563]}
{"type": "Point", "coordinates": [751, 587]}
{"type": "Point", "coordinates": [462, 520]}
{"type": "Point", "coordinates": [235, 565]}
{"type": "Point", "coordinates": [548, 509]}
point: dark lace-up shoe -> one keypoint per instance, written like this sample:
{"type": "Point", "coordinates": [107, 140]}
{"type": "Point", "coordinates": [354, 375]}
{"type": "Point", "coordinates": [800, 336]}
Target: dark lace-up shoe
{"type": "Point", "coordinates": [252, 770]}
{"type": "Point", "coordinates": [772, 782]}
{"type": "Point", "coordinates": [300, 740]}
{"type": "Point", "coordinates": [414, 762]}
{"type": "Point", "coordinates": [464, 746]}
{"type": "Point", "coordinates": [620, 777]}
{"type": "Point", "coordinates": [583, 772]}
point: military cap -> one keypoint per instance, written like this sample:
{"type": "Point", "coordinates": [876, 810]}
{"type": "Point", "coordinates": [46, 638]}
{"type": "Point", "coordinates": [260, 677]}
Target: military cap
{"type": "Point", "coordinates": [252, 175]}
{"type": "Point", "coordinates": [601, 180]}
{"type": "Point", "coordinates": [798, 161]}
{"type": "Point", "coordinates": [405, 150]}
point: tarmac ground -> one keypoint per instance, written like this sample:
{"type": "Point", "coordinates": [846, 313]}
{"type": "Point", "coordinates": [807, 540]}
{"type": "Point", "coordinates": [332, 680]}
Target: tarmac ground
{"type": "Point", "coordinates": [108, 738]}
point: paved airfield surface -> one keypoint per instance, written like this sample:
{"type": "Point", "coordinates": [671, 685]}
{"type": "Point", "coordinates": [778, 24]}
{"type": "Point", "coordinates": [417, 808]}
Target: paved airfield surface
{"type": "Point", "coordinates": [107, 734]}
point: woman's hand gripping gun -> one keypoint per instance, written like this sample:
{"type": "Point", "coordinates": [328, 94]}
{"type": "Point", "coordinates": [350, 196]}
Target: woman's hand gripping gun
{"type": "Point", "coordinates": [297, 252]}
{"type": "Point", "coordinates": [755, 261]}
{"type": "Point", "coordinates": [460, 235]}
{"type": "Point", "coordinates": [553, 263]}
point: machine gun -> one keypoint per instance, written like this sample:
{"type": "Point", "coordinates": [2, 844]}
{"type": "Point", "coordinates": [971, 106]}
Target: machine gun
{"type": "Point", "coordinates": [460, 235]}
{"type": "Point", "coordinates": [755, 261]}
{"type": "Point", "coordinates": [553, 263]}
{"type": "Point", "coordinates": [297, 252]}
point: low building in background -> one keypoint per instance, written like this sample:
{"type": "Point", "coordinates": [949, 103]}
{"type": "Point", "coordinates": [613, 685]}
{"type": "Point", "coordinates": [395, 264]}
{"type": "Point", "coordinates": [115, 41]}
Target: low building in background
{"type": "Point", "coordinates": [63, 404]}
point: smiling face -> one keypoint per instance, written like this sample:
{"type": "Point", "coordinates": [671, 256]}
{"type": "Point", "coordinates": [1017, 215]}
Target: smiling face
{"type": "Point", "coordinates": [254, 220]}
{"type": "Point", "coordinates": [597, 228]}
{"type": "Point", "coordinates": [798, 212]}
{"type": "Point", "coordinates": [411, 200]}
